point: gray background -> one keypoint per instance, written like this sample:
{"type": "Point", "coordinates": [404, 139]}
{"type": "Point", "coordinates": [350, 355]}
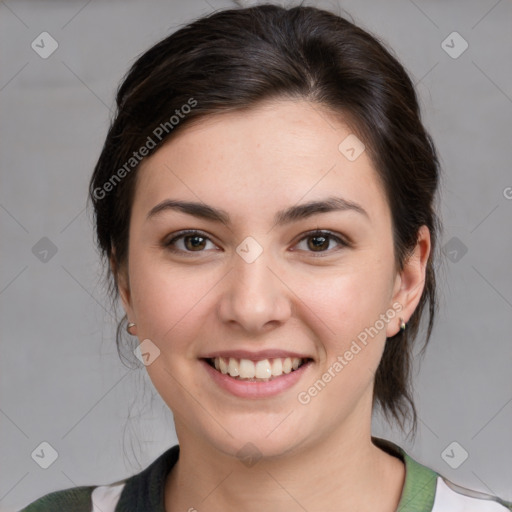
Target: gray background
{"type": "Point", "coordinates": [61, 379]}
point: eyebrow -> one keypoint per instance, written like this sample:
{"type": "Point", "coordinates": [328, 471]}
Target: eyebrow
{"type": "Point", "coordinates": [282, 217]}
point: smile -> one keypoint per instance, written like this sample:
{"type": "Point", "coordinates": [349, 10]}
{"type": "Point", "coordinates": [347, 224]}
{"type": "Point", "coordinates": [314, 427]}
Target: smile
{"type": "Point", "coordinates": [263, 370]}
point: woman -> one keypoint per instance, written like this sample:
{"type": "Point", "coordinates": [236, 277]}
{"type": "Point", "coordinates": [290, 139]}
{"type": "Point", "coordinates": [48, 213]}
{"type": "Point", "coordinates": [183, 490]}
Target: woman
{"type": "Point", "coordinates": [265, 203]}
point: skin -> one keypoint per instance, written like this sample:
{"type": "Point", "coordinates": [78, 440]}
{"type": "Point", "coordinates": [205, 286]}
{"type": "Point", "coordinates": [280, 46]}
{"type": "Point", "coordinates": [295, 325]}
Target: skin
{"type": "Point", "coordinates": [317, 456]}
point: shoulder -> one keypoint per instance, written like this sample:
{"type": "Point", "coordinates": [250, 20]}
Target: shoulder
{"type": "Point", "coordinates": [102, 498]}
{"type": "Point", "coordinates": [425, 490]}
{"type": "Point", "coordinates": [438, 494]}
{"type": "Point", "coordinates": [76, 499]}
{"type": "Point", "coordinates": [450, 496]}
{"type": "Point", "coordinates": [142, 491]}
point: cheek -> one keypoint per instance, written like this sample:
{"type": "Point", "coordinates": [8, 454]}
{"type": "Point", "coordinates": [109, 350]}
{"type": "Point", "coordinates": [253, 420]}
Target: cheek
{"type": "Point", "coordinates": [165, 300]}
{"type": "Point", "coordinates": [351, 335]}
{"type": "Point", "coordinates": [167, 309]}
{"type": "Point", "coordinates": [348, 300]}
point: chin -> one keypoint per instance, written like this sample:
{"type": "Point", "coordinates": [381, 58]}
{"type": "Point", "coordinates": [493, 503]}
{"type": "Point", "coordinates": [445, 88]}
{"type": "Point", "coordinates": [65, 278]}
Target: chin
{"type": "Point", "coordinates": [255, 438]}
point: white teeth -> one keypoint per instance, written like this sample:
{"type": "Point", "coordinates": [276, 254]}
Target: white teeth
{"type": "Point", "coordinates": [277, 367]}
{"type": "Point", "coordinates": [247, 369]}
{"type": "Point", "coordinates": [233, 367]}
{"type": "Point", "coordinates": [223, 365]}
{"type": "Point", "coordinates": [264, 369]}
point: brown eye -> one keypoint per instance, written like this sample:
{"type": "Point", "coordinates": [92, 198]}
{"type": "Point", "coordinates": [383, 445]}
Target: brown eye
{"type": "Point", "coordinates": [187, 242]}
{"type": "Point", "coordinates": [319, 242]}
{"type": "Point", "coordinates": [194, 242]}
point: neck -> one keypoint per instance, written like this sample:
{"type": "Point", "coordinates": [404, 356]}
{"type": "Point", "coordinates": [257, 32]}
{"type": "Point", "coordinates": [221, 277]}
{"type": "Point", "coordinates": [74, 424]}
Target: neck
{"type": "Point", "coordinates": [345, 469]}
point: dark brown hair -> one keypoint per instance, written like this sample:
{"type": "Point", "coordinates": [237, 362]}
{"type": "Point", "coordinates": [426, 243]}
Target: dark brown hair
{"type": "Point", "coordinates": [232, 60]}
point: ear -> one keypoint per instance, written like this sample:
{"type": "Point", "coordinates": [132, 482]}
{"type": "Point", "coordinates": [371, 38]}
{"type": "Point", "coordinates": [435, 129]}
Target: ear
{"type": "Point", "coordinates": [123, 286]}
{"type": "Point", "coordinates": [410, 282]}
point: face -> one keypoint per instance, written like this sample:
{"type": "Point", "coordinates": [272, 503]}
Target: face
{"type": "Point", "coordinates": [261, 284]}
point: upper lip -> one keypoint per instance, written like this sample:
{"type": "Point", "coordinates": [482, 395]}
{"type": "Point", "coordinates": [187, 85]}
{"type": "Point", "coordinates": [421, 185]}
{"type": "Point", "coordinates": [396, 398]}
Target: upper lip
{"type": "Point", "coordinates": [254, 356]}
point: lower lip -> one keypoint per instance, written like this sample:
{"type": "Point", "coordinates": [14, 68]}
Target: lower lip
{"type": "Point", "coordinates": [263, 389]}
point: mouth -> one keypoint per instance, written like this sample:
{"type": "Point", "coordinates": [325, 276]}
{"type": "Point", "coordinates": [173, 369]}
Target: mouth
{"type": "Point", "coordinates": [263, 370]}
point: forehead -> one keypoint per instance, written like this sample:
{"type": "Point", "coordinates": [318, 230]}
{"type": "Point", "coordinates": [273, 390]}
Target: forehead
{"type": "Point", "coordinates": [273, 155]}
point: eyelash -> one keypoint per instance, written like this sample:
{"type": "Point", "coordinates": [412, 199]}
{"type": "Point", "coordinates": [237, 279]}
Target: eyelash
{"type": "Point", "coordinates": [311, 234]}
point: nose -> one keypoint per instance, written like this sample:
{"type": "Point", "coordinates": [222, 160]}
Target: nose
{"type": "Point", "coordinates": [255, 298]}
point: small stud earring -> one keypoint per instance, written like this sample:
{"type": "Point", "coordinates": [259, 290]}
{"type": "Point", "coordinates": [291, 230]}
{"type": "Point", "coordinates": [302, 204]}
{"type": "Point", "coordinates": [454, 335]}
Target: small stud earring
{"type": "Point", "coordinates": [402, 324]}
{"type": "Point", "coordinates": [129, 328]}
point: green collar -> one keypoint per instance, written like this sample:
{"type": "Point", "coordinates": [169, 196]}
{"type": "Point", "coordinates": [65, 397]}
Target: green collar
{"type": "Point", "coordinates": [420, 481]}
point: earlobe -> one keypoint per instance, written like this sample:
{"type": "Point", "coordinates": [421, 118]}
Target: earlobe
{"type": "Point", "coordinates": [410, 283]}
